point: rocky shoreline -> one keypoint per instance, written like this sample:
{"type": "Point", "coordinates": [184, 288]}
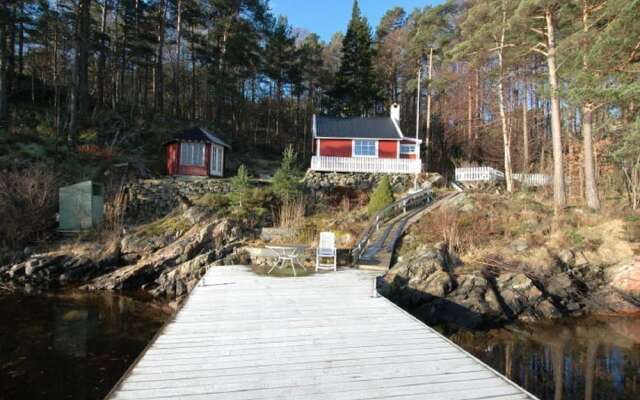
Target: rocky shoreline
{"type": "Point", "coordinates": [430, 284]}
{"type": "Point", "coordinates": [165, 264]}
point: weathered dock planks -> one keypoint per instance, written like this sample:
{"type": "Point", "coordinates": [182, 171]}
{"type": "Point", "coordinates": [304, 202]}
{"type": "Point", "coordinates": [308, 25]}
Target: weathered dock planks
{"type": "Point", "coordinates": [244, 336]}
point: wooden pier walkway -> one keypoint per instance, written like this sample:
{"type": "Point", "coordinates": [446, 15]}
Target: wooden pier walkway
{"type": "Point", "coordinates": [325, 336]}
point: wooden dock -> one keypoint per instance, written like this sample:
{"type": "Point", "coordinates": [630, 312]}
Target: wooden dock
{"type": "Point", "coordinates": [325, 336]}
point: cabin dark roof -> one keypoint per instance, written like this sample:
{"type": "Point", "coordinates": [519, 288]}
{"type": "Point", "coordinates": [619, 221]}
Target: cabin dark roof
{"type": "Point", "coordinates": [356, 128]}
{"type": "Point", "coordinates": [197, 134]}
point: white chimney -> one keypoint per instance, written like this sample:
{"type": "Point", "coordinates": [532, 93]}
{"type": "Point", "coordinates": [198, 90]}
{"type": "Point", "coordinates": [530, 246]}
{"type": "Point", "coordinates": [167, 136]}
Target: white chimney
{"type": "Point", "coordinates": [395, 112]}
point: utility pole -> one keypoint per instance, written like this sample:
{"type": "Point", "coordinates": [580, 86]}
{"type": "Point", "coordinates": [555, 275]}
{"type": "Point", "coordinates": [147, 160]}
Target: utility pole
{"type": "Point", "coordinates": [415, 179]}
{"type": "Point", "coordinates": [418, 98]}
{"type": "Point", "coordinates": [428, 134]}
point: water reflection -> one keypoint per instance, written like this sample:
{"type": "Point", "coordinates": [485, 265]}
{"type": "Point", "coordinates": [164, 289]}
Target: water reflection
{"type": "Point", "coordinates": [591, 359]}
{"type": "Point", "coordinates": [70, 347]}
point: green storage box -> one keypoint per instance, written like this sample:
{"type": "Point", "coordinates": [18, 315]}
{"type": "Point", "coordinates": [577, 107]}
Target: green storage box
{"type": "Point", "coordinates": [81, 206]}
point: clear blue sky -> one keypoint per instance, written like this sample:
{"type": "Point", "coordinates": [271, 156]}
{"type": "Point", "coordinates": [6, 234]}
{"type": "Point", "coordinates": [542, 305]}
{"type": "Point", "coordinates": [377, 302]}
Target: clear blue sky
{"type": "Point", "coordinates": [325, 17]}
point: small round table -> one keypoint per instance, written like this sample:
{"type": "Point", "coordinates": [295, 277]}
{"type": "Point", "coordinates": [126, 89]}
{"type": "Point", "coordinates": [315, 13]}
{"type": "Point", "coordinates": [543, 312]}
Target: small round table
{"type": "Point", "coordinates": [287, 254]}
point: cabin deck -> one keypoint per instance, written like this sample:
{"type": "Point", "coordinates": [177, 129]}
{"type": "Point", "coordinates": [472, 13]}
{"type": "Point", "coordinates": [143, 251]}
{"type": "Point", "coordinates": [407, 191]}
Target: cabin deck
{"type": "Point", "coordinates": [325, 336]}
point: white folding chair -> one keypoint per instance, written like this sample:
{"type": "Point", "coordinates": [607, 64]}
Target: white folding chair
{"type": "Point", "coordinates": [327, 250]}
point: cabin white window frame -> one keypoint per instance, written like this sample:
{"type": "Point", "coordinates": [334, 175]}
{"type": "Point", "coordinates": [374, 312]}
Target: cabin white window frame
{"type": "Point", "coordinates": [216, 167]}
{"type": "Point", "coordinates": [192, 154]}
{"type": "Point", "coordinates": [408, 149]}
{"type": "Point", "coordinates": [354, 147]}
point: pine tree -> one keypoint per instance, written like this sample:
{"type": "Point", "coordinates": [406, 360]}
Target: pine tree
{"type": "Point", "coordinates": [541, 17]}
{"type": "Point", "coordinates": [486, 30]}
{"type": "Point", "coordinates": [382, 196]}
{"type": "Point", "coordinates": [286, 180]}
{"type": "Point", "coordinates": [240, 185]}
{"type": "Point", "coordinates": [355, 92]}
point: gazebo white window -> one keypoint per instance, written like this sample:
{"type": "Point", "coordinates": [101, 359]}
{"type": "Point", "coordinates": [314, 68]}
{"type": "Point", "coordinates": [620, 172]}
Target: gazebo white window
{"type": "Point", "coordinates": [192, 154]}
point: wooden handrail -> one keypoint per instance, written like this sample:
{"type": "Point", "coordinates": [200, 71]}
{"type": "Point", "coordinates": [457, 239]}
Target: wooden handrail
{"type": "Point", "coordinates": [403, 205]}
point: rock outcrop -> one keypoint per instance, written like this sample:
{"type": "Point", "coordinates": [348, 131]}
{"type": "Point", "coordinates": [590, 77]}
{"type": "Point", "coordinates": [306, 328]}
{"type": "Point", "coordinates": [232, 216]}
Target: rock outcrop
{"type": "Point", "coordinates": [166, 264]}
{"type": "Point", "coordinates": [432, 284]}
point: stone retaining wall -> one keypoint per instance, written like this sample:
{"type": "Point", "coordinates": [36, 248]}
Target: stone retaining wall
{"type": "Point", "coordinates": [327, 181]}
{"type": "Point", "coordinates": [152, 198]}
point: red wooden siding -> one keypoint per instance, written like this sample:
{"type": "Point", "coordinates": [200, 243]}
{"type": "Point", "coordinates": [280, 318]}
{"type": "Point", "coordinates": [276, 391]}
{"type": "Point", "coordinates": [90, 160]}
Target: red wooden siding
{"type": "Point", "coordinates": [172, 158]}
{"type": "Point", "coordinates": [173, 162]}
{"type": "Point", "coordinates": [387, 149]}
{"type": "Point", "coordinates": [335, 148]}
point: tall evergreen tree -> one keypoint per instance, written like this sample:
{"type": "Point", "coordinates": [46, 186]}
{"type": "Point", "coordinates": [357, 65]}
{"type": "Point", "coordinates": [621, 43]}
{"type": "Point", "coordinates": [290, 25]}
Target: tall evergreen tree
{"type": "Point", "coordinates": [355, 92]}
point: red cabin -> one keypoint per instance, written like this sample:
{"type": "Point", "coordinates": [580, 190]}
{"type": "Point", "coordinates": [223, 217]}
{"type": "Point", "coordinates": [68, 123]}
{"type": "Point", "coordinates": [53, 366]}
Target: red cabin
{"type": "Point", "coordinates": [196, 152]}
{"type": "Point", "coordinates": [372, 145]}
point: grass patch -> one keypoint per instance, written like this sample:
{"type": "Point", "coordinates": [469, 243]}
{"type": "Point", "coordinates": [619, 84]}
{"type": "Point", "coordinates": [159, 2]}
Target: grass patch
{"type": "Point", "coordinates": [632, 228]}
{"type": "Point", "coordinates": [170, 224]}
{"type": "Point", "coordinates": [214, 201]}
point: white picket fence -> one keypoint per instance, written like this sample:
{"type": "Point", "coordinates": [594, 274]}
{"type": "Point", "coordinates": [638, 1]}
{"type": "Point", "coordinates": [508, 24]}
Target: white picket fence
{"type": "Point", "coordinates": [488, 174]}
{"type": "Point", "coordinates": [366, 164]}
{"type": "Point", "coordinates": [478, 174]}
{"type": "Point", "coordinates": [533, 179]}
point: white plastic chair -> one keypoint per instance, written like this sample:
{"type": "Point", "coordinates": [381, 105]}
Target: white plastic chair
{"type": "Point", "coordinates": [327, 250]}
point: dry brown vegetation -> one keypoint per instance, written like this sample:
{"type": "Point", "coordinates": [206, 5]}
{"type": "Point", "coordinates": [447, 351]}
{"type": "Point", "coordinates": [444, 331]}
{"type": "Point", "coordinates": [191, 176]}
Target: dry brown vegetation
{"type": "Point", "coordinates": [495, 230]}
{"type": "Point", "coordinates": [28, 201]}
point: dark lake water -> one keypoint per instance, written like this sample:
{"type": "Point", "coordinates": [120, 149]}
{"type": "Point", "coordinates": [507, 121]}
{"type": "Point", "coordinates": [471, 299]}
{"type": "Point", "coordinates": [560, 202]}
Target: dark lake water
{"type": "Point", "coordinates": [77, 347]}
{"type": "Point", "coordinates": [74, 346]}
{"type": "Point", "coordinates": [586, 359]}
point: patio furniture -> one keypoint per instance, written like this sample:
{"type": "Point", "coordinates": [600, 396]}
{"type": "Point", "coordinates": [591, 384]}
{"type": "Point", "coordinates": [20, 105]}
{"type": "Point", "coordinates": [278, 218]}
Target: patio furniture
{"type": "Point", "coordinates": [287, 254]}
{"type": "Point", "coordinates": [327, 250]}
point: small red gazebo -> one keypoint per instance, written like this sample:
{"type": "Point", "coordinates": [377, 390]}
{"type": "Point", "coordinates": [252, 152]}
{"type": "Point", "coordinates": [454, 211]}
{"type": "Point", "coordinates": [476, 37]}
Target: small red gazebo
{"type": "Point", "coordinates": [196, 152]}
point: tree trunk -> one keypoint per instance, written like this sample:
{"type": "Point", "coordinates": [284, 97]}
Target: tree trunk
{"type": "Point", "coordinates": [21, 41]}
{"type": "Point", "coordinates": [79, 74]}
{"type": "Point", "coordinates": [506, 137]}
{"type": "Point", "coordinates": [469, 111]}
{"type": "Point", "coordinates": [102, 60]}
{"type": "Point", "coordinates": [4, 102]}
{"type": "Point", "coordinates": [85, 33]}
{"type": "Point", "coordinates": [176, 71]}
{"type": "Point", "coordinates": [193, 78]}
{"type": "Point", "coordinates": [559, 195]}
{"type": "Point", "coordinates": [159, 73]}
{"type": "Point", "coordinates": [525, 136]}
{"type": "Point", "coordinates": [590, 185]}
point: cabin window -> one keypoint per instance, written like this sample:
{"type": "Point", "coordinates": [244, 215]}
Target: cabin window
{"type": "Point", "coordinates": [364, 148]}
{"type": "Point", "coordinates": [192, 154]}
{"type": "Point", "coordinates": [407, 149]}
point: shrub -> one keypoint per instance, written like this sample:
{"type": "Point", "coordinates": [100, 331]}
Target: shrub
{"type": "Point", "coordinates": [240, 186]}
{"type": "Point", "coordinates": [382, 196]}
{"type": "Point", "coordinates": [286, 180]}
{"type": "Point", "coordinates": [28, 200]}
{"type": "Point", "coordinates": [255, 208]}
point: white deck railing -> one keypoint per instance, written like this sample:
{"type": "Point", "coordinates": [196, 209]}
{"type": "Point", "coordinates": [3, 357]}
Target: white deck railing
{"type": "Point", "coordinates": [488, 174]}
{"type": "Point", "coordinates": [478, 174]}
{"type": "Point", "coordinates": [366, 164]}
